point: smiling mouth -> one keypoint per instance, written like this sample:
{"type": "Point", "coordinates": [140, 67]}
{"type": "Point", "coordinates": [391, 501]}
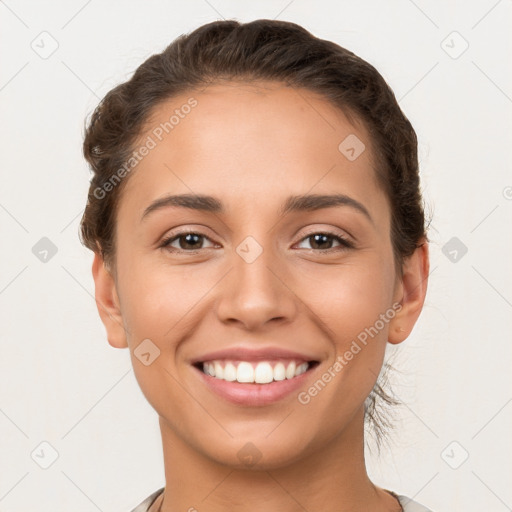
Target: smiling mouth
{"type": "Point", "coordinates": [252, 372]}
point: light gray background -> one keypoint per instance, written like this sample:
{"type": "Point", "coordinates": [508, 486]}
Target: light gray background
{"type": "Point", "coordinates": [60, 381]}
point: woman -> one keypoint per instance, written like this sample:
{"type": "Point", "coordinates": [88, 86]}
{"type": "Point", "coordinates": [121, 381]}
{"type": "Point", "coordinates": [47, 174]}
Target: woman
{"type": "Point", "coordinates": [259, 238]}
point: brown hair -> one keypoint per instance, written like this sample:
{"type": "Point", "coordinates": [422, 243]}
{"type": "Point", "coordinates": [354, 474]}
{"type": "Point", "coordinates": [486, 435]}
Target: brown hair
{"type": "Point", "coordinates": [267, 50]}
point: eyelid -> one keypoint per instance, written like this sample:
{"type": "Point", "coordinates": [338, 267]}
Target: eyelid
{"type": "Point", "coordinates": [331, 232]}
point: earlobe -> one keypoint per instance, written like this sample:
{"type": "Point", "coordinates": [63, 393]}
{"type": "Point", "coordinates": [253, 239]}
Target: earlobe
{"type": "Point", "coordinates": [107, 302]}
{"type": "Point", "coordinates": [412, 289]}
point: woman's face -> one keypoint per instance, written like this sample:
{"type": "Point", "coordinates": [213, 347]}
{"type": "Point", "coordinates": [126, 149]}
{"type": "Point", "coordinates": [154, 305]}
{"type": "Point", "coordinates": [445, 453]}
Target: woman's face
{"type": "Point", "coordinates": [263, 282]}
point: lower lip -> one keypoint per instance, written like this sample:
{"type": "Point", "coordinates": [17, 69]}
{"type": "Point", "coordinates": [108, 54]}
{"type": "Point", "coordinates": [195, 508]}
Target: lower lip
{"type": "Point", "coordinates": [254, 394]}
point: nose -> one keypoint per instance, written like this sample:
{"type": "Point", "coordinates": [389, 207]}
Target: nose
{"type": "Point", "coordinates": [254, 293]}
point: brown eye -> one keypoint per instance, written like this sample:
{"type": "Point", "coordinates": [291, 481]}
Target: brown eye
{"type": "Point", "coordinates": [188, 241]}
{"type": "Point", "coordinates": [323, 241]}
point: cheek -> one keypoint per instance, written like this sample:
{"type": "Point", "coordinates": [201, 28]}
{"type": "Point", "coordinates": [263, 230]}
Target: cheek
{"type": "Point", "coordinates": [157, 297]}
{"type": "Point", "coordinates": [354, 296]}
{"type": "Point", "coordinates": [158, 306]}
{"type": "Point", "coordinates": [356, 308]}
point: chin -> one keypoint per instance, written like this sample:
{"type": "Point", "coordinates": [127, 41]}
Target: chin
{"type": "Point", "coordinates": [258, 452]}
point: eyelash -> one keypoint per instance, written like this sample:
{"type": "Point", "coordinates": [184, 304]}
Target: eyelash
{"type": "Point", "coordinates": [345, 243]}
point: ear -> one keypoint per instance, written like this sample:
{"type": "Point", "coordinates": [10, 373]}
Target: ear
{"type": "Point", "coordinates": [410, 293]}
{"type": "Point", "coordinates": [107, 302]}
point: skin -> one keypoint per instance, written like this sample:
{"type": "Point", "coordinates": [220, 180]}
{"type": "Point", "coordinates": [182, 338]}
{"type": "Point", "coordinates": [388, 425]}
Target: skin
{"type": "Point", "coordinates": [251, 146]}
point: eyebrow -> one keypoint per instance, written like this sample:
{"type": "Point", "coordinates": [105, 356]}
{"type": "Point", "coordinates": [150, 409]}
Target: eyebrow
{"type": "Point", "coordinates": [299, 203]}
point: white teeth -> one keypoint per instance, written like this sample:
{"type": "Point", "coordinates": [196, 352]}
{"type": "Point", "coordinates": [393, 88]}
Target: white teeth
{"type": "Point", "coordinates": [230, 372]}
{"type": "Point", "coordinates": [279, 371]}
{"type": "Point", "coordinates": [245, 372]}
{"type": "Point", "coordinates": [219, 371]}
{"type": "Point", "coordinates": [301, 369]}
{"type": "Point", "coordinates": [290, 371]}
{"type": "Point", "coordinates": [262, 373]}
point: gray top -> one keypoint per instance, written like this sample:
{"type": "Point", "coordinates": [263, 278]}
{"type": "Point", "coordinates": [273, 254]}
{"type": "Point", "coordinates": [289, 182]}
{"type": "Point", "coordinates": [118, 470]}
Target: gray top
{"type": "Point", "coordinates": [407, 504]}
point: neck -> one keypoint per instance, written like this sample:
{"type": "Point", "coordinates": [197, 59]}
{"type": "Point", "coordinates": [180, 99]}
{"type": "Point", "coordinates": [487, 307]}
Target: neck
{"type": "Point", "coordinates": [333, 479]}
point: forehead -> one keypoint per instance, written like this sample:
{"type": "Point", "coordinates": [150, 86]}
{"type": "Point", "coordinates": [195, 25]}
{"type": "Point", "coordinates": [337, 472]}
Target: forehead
{"type": "Point", "coordinates": [265, 109]}
{"type": "Point", "coordinates": [251, 140]}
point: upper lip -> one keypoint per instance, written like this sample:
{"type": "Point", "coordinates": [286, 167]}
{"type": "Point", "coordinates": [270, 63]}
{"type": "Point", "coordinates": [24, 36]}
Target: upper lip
{"type": "Point", "coordinates": [250, 354]}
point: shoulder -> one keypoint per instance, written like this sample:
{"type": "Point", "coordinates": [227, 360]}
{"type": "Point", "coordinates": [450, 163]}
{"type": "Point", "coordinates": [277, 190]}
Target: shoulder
{"type": "Point", "coordinates": [411, 506]}
{"type": "Point", "coordinates": [144, 506]}
{"type": "Point", "coordinates": [407, 503]}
